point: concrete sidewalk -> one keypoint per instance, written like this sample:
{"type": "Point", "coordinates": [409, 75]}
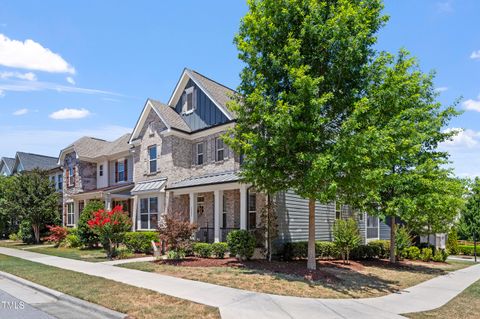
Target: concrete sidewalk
{"type": "Point", "coordinates": [236, 303]}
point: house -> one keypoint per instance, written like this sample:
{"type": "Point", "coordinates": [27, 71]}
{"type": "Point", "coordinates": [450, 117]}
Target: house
{"type": "Point", "coordinates": [6, 166]}
{"type": "Point", "coordinates": [182, 166]}
{"type": "Point", "coordinates": [95, 169]}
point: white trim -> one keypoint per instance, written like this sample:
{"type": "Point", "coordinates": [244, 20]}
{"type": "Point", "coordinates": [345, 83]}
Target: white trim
{"type": "Point", "coordinates": [206, 188]}
{"type": "Point", "coordinates": [142, 119]}
{"type": "Point", "coordinates": [202, 133]}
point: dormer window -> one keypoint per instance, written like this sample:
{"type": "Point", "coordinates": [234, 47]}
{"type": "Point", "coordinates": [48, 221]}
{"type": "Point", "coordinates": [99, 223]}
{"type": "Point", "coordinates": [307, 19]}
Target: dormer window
{"type": "Point", "coordinates": [189, 100]}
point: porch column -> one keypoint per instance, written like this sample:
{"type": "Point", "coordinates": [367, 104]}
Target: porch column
{"type": "Point", "coordinates": [108, 202]}
{"type": "Point", "coordinates": [193, 208]}
{"type": "Point", "coordinates": [218, 199]}
{"type": "Point", "coordinates": [134, 211]}
{"type": "Point", "coordinates": [243, 206]}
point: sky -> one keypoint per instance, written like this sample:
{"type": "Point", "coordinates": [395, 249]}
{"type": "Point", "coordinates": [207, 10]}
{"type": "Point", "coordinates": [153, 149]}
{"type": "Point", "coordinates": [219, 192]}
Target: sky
{"type": "Point", "coordinates": [75, 68]}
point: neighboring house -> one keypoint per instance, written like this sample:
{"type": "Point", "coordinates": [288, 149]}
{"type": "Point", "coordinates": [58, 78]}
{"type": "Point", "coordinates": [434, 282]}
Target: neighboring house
{"type": "Point", "coordinates": [29, 162]}
{"type": "Point", "coordinates": [6, 166]}
{"type": "Point", "coordinates": [96, 169]}
{"type": "Point", "coordinates": [182, 166]}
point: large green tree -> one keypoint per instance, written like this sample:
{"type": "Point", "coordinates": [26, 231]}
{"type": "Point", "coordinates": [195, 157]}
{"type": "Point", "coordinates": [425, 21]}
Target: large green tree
{"type": "Point", "coordinates": [389, 147]}
{"type": "Point", "coordinates": [470, 218]}
{"type": "Point", "coordinates": [36, 200]}
{"type": "Point", "coordinates": [9, 216]}
{"type": "Point", "coordinates": [305, 68]}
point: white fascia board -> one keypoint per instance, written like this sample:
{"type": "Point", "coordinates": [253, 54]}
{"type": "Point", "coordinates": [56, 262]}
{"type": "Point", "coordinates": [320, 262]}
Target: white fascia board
{"type": "Point", "coordinates": [203, 133]}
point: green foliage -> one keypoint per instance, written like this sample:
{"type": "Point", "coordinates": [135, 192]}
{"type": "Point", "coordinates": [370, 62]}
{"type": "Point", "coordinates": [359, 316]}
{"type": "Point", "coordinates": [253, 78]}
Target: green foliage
{"type": "Point", "coordinates": [14, 237]}
{"type": "Point", "coordinates": [124, 253]}
{"type": "Point", "coordinates": [383, 247]}
{"type": "Point", "coordinates": [468, 250]}
{"type": "Point", "coordinates": [141, 242]}
{"type": "Point", "coordinates": [203, 250]}
{"type": "Point", "coordinates": [452, 241]}
{"type": "Point", "coordinates": [9, 215]}
{"type": "Point", "coordinates": [365, 252]}
{"type": "Point", "coordinates": [86, 234]}
{"type": "Point", "coordinates": [72, 240]}
{"type": "Point", "coordinates": [413, 253]}
{"type": "Point", "coordinates": [36, 201]}
{"type": "Point", "coordinates": [219, 249]}
{"type": "Point", "coordinates": [268, 226]}
{"type": "Point", "coordinates": [403, 241]}
{"type": "Point", "coordinates": [426, 254]}
{"type": "Point", "coordinates": [241, 243]}
{"type": "Point", "coordinates": [346, 236]}
{"type": "Point", "coordinates": [176, 254]}
{"type": "Point", "coordinates": [296, 250]}
{"type": "Point", "coordinates": [470, 218]}
{"type": "Point", "coordinates": [25, 232]}
{"type": "Point", "coordinates": [440, 255]}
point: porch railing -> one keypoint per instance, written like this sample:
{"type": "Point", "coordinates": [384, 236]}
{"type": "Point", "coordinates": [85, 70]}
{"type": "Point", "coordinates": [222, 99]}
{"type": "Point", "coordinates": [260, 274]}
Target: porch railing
{"type": "Point", "coordinates": [207, 234]}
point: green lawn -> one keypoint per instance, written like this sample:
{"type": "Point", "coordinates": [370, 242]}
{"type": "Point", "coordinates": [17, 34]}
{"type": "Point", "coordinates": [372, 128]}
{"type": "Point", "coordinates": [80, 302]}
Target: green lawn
{"type": "Point", "coordinates": [464, 306]}
{"type": "Point", "coordinates": [136, 302]}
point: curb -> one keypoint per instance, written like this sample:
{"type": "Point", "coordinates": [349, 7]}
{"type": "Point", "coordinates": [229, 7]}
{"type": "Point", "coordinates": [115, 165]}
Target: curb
{"type": "Point", "coordinates": [107, 313]}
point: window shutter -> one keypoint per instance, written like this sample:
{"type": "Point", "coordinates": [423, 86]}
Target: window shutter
{"type": "Point", "coordinates": [184, 100]}
{"type": "Point", "coordinates": [116, 172]}
{"type": "Point", "coordinates": [126, 169]}
{"type": "Point", "coordinates": [67, 176]}
{"type": "Point", "coordinates": [194, 98]}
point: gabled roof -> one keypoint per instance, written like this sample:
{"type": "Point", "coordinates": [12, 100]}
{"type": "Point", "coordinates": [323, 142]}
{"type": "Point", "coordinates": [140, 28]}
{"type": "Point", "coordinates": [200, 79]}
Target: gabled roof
{"type": "Point", "coordinates": [92, 148]}
{"type": "Point", "coordinates": [171, 118]}
{"type": "Point", "coordinates": [29, 161]}
{"type": "Point", "coordinates": [8, 163]}
{"type": "Point", "coordinates": [218, 93]}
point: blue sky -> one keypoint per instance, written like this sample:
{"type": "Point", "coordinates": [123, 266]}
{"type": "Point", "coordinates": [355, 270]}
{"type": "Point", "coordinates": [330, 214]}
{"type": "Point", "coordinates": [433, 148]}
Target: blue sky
{"type": "Point", "coordinates": [74, 68]}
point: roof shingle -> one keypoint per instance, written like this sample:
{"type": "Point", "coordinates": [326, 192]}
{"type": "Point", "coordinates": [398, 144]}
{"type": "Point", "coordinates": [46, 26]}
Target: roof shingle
{"type": "Point", "coordinates": [169, 115]}
{"type": "Point", "coordinates": [32, 161]}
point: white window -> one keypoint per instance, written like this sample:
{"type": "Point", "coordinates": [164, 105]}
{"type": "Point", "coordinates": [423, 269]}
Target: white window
{"type": "Point", "coordinates": [372, 226]}
{"type": "Point", "coordinates": [252, 210]}
{"type": "Point", "coordinates": [152, 156]}
{"type": "Point", "coordinates": [189, 100]}
{"type": "Point", "coordinates": [149, 213]}
{"type": "Point", "coordinates": [71, 176]}
{"type": "Point", "coordinates": [200, 152]}
{"type": "Point", "coordinates": [70, 214]}
{"type": "Point", "coordinates": [60, 181]}
{"type": "Point", "coordinates": [100, 170]}
{"type": "Point", "coordinates": [220, 149]}
{"type": "Point", "coordinates": [121, 171]}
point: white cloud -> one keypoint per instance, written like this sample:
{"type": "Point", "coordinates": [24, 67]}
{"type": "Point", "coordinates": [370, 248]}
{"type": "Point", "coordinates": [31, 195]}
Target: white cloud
{"type": "Point", "coordinates": [50, 142]}
{"type": "Point", "coordinates": [441, 89]}
{"type": "Point", "coordinates": [31, 55]}
{"type": "Point", "coordinates": [464, 150]}
{"type": "Point", "coordinates": [2, 93]}
{"type": "Point", "coordinates": [29, 76]}
{"type": "Point", "coordinates": [30, 86]}
{"type": "Point", "coordinates": [475, 55]}
{"type": "Point", "coordinates": [70, 80]}
{"type": "Point", "coordinates": [20, 112]}
{"type": "Point", "coordinates": [70, 114]}
{"type": "Point", "coordinates": [445, 6]}
{"type": "Point", "coordinates": [472, 105]}
{"type": "Point", "coordinates": [463, 139]}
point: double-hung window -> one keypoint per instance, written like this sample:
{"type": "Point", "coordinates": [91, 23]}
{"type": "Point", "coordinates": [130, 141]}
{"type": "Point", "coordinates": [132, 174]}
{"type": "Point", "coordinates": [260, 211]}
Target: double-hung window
{"type": "Point", "coordinates": [70, 214]}
{"type": "Point", "coordinates": [252, 210]}
{"type": "Point", "coordinates": [121, 167]}
{"type": "Point", "coordinates": [220, 149]}
{"type": "Point", "coordinates": [71, 176]}
{"type": "Point", "coordinates": [149, 213]}
{"type": "Point", "coordinates": [152, 157]}
{"type": "Point", "coordinates": [200, 153]}
{"type": "Point", "coordinates": [60, 182]}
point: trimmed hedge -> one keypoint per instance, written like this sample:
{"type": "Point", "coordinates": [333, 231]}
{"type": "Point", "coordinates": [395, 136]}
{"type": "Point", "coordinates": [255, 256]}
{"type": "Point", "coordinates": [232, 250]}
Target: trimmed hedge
{"type": "Point", "coordinates": [141, 242]}
{"type": "Point", "coordinates": [362, 252]}
{"type": "Point", "coordinates": [299, 249]}
{"type": "Point", "coordinates": [241, 243]}
{"type": "Point", "coordinates": [219, 249]}
{"type": "Point", "coordinates": [413, 253]}
{"type": "Point", "coordinates": [468, 250]}
{"type": "Point", "coordinates": [203, 250]}
{"type": "Point", "coordinates": [383, 248]}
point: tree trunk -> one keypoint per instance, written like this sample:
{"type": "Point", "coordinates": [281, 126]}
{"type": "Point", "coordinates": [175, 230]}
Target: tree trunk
{"type": "Point", "coordinates": [311, 264]}
{"type": "Point", "coordinates": [36, 232]}
{"type": "Point", "coordinates": [475, 246]}
{"type": "Point", "coordinates": [393, 258]}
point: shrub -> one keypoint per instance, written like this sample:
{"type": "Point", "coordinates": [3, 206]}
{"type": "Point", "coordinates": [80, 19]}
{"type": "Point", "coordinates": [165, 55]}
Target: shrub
{"type": "Point", "coordinates": [346, 237]}
{"type": "Point", "coordinates": [124, 253]}
{"type": "Point", "coordinates": [86, 234]}
{"type": "Point", "coordinates": [403, 241]}
{"type": "Point", "coordinates": [324, 249]}
{"type": "Point", "coordinates": [365, 252]}
{"type": "Point", "coordinates": [141, 242]}
{"type": "Point", "coordinates": [25, 232]}
{"type": "Point", "coordinates": [72, 240]}
{"type": "Point", "coordinates": [177, 232]}
{"type": "Point", "coordinates": [14, 237]}
{"type": "Point", "coordinates": [426, 254]}
{"type": "Point", "coordinates": [440, 255]}
{"type": "Point", "coordinates": [413, 253]}
{"type": "Point", "coordinates": [445, 254]}
{"type": "Point", "coordinates": [203, 250]}
{"type": "Point", "coordinates": [110, 226]}
{"type": "Point", "coordinates": [241, 243]}
{"type": "Point", "coordinates": [57, 234]}
{"type": "Point", "coordinates": [219, 249]}
{"type": "Point", "coordinates": [383, 247]}
{"type": "Point", "coordinates": [452, 242]}
{"type": "Point", "coordinates": [176, 254]}
{"type": "Point", "coordinates": [467, 250]}
{"type": "Point", "coordinates": [299, 249]}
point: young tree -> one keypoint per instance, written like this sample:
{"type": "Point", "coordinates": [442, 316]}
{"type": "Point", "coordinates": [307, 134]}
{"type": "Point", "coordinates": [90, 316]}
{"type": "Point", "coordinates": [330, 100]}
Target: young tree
{"type": "Point", "coordinates": [269, 225]}
{"type": "Point", "coordinates": [36, 200]}
{"type": "Point", "coordinates": [305, 64]}
{"type": "Point", "coordinates": [346, 237]}
{"type": "Point", "coordinates": [470, 219]}
{"type": "Point", "coordinates": [87, 236]}
{"type": "Point", "coordinates": [389, 146]}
